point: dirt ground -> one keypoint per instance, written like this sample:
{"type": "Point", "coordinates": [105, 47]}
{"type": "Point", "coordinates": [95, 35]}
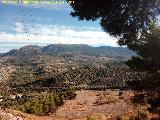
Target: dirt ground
{"type": "Point", "coordinates": [100, 104]}
{"type": "Point", "coordinates": [94, 103]}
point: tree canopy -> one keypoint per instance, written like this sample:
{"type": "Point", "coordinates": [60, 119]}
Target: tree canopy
{"type": "Point", "coordinates": [148, 60]}
{"type": "Point", "coordinates": [121, 18]}
{"type": "Point", "coordinates": [148, 57]}
{"type": "Point", "coordinates": [132, 21]}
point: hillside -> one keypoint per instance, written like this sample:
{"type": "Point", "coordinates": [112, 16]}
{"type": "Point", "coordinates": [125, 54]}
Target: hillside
{"type": "Point", "coordinates": [43, 82]}
{"type": "Point", "coordinates": [60, 65]}
{"type": "Point", "coordinates": [61, 49]}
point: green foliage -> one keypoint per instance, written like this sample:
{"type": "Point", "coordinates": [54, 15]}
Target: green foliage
{"type": "Point", "coordinates": [22, 75]}
{"type": "Point", "coordinates": [38, 104]}
{"type": "Point", "coordinates": [45, 108]}
{"type": "Point", "coordinates": [126, 18]}
{"type": "Point", "coordinates": [42, 106]}
{"type": "Point", "coordinates": [142, 115]}
{"type": "Point", "coordinates": [138, 99]}
{"type": "Point", "coordinates": [148, 61]}
{"type": "Point", "coordinates": [52, 105]}
{"type": "Point", "coordinates": [90, 118]}
{"type": "Point", "coordinates": [111, 99]}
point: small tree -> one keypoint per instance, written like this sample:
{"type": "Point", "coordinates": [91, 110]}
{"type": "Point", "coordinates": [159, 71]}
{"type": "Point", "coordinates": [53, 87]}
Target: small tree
{"type": "Point", "coordinates": [45, 108]}
{"type": "Point", "coordinates": [52, 103]}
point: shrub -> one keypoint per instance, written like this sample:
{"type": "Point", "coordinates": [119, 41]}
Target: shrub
{"type": "Point", "coordinates": [38, 104]}
{"type": "Point", "coordinates": [121, 118]}
{"type": "Point", "coordinates": [111, 99]}
{"type": "Point", "coordinates": [45, 108]}
{"type": "Point", "coordinates": [142, 115]}
{"type": "Point", "coordinates": [90, 118]}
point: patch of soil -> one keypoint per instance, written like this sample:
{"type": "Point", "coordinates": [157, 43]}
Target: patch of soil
{"type": "Point", "coordinates": [85, 105]}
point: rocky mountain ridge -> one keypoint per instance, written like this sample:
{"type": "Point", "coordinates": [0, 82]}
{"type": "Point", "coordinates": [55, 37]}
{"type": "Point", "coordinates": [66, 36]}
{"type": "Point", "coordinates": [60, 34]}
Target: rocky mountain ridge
{"type": "Point", "coordinates": [61, 49]}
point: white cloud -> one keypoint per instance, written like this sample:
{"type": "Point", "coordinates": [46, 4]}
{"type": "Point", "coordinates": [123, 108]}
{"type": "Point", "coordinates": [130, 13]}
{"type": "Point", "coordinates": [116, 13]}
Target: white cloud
{"type": "Point", "coordinates": [18, 27]}
{"type": "Point", "coordinates": [52, 34]}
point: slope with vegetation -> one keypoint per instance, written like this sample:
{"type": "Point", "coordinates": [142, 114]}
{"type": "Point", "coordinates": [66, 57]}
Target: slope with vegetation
{"type": "Point", "coordinates": [61, 49]}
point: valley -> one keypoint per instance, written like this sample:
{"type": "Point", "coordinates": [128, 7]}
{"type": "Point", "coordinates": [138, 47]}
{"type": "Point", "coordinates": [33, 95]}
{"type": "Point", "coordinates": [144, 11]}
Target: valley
{"type": "Point", "coordinates": [66, 82]}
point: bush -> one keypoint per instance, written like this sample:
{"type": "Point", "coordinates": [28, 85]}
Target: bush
{"type": "Point", "coordinates": [142, 115]}
{"type": "Point", "coordinates": [90, 118]}
{"type": "Point", "coordinates": [38, 104]}
{"type": "Point", "coordinates": [45, 109]}
{"type": "Point", "coordinates": [121, 118]}
{"type": "Point", "coordinates": [111, 99]}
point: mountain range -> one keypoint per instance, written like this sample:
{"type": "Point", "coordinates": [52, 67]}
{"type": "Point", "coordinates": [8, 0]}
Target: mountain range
{"type": "Point", "coordinates": [60, 49]}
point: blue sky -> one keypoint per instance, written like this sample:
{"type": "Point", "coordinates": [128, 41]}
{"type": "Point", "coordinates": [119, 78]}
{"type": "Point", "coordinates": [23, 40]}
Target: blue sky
{"type": "Point", "coordinates": [43, 24]}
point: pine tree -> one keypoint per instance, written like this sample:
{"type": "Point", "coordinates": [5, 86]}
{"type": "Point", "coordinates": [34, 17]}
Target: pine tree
{"type": "Point", "coordinates": [148, 61]}
{"type": "Point", "coordinates": [121, 18]}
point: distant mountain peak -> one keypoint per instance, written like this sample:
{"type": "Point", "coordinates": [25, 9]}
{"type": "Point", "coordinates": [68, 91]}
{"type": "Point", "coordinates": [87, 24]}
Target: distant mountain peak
{"type": "Point", "coordinates": [57, 49]}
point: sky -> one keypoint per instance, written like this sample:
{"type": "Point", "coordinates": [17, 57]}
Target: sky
{"type": "Point", "coordinates": [43, 24]}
